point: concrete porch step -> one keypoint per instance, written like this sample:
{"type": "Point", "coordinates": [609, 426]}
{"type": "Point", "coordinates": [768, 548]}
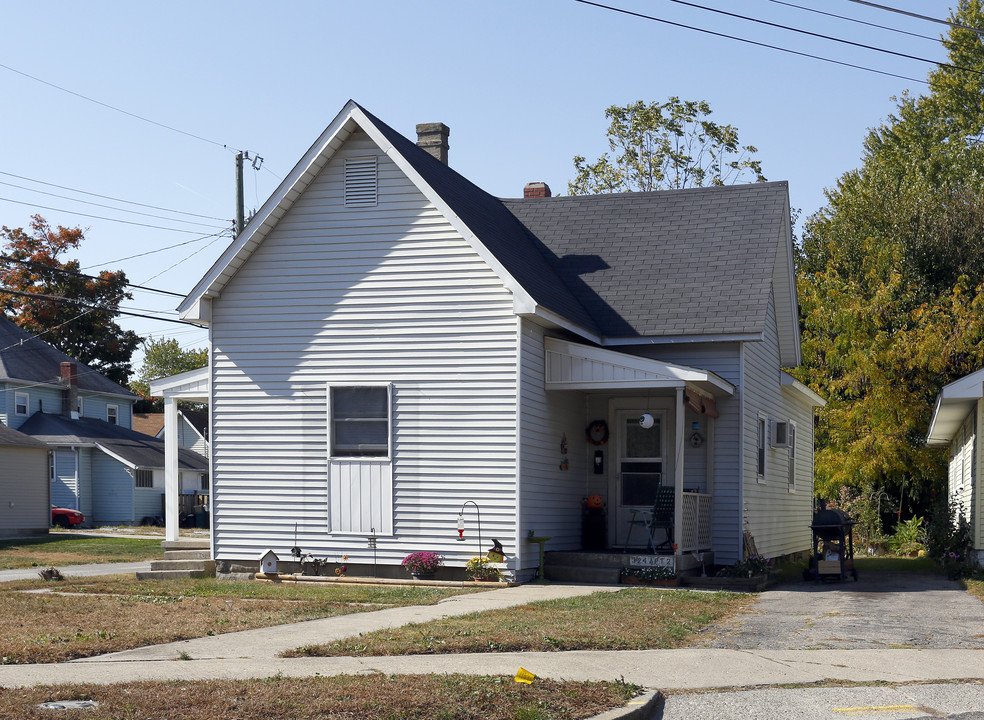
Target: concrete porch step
{"type": "Point", "coordinates": [171, 564]}
{"type": "Point", "coordinates": [187, 544]}
{"type": "Point", "coordinates": [582, 574]}
{"type": "Point", "coordinates": [187, 555]}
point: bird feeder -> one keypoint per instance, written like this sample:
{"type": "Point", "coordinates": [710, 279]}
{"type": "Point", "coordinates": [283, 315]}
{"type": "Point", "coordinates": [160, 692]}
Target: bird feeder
{"type": "Point", "coordinates": [268, 563]}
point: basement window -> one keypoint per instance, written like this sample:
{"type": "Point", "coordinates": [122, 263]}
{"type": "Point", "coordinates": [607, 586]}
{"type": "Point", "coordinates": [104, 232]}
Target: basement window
{"type": "Point", "coordinates": [360, 421]}
{"type": "Point", "coordinates": [361, 182]}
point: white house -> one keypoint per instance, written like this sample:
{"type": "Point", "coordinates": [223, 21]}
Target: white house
{"type": "Point", "coordinates": [957, 415]}
{"type": "Point", "coordinates": [392, 348]}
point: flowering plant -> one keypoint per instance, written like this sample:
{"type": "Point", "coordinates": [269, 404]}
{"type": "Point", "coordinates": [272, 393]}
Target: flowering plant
{"type": "Point", "coordinates": [647, 574]}
{"type": "Point", "coordinates": [423, 561]}
{"type": "Point", "coordinates": [482, 568]}
{"type": "Point", "coordinates": [749, 567]}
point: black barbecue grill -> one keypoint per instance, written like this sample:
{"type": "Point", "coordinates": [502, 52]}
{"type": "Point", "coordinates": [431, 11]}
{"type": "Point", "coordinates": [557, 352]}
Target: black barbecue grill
{"type": "Point", "coordinates": [833, 546]}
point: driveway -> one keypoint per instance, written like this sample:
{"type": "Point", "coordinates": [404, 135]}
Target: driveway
{"type": "Point", "coordinates": [882, 610]}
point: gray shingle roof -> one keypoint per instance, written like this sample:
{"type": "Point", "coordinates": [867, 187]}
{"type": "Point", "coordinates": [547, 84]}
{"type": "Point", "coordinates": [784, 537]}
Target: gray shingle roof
{"type": "Point", "coordinates": [674, 262]}
{"type": "Point", "coordinates": [25, 357]}
{"type": "Point", "coordinates": [136, 448]}
{"type": "Point", "coordinates": [13, 438]}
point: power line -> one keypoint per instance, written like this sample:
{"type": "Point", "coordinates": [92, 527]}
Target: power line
{"type": "Point", "coordinates": [856, 20]}
{"type": "Point", "coordinates": [751, 42]}
{"type": "Point", "coordinates": [918, 16]}
{"type": "Point", "coordinates": [825, 37]}
{"type": "Point", "coordinates": [70, 301]}
{"type": "Point", "coordinates": [100, 217]}
{"type": "Point", "coordinates": [112, 107]}
{"type": "Point", "coordinates": [184, 259]}
{"type": "Point", "coordinates": [107, 197]}
{"type": "Point", "coordinates": [167, 247]}
{"type": "Point", "coordinates": [110, 207]}
{"type": "Point", "coordinates": [73, 273]}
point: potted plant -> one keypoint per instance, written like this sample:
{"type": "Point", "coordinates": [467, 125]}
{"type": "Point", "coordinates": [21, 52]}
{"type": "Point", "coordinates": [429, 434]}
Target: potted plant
{"type": "Point", "coordinates": [657, 575]}
{"type": "Point", "coordinates": [422, 564]}
{"type": "Point", "coordinates": [483, 569]}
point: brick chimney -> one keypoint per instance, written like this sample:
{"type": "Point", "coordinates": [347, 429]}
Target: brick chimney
{"type": "Point", "coordinates": [70, 396]}
{"type": "Point", "coordinates": [536, 190]}
{"type": "Point", "coordinates": [433, 137]}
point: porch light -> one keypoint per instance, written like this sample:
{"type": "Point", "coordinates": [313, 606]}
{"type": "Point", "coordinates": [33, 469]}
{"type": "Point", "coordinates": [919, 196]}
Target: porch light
{"type": "Point", "coordinates": [647, 421]}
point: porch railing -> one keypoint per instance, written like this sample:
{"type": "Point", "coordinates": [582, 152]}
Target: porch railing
{"type": "Point", "coordinates": [695, 526]}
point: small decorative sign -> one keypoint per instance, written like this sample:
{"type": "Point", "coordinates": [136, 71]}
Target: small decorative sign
{"type": "Point", "coordinates": [667, 561]}
{"type": "Point", "coordinates": [496, 554]}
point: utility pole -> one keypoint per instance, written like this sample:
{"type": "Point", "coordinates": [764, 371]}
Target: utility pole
{"type": "Point", "coordinates": [240, 211]}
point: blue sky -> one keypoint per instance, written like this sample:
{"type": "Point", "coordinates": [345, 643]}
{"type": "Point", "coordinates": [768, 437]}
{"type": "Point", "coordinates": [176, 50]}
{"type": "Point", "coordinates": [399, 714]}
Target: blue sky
{"type": "Point", "coordinates": [522, 85]}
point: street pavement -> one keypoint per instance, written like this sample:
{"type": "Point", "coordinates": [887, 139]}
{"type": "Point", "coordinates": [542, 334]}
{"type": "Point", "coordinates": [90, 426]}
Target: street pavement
{"type": "Point", "coordinates": [915, 679]}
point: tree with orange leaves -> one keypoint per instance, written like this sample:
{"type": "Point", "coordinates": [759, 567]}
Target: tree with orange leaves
{"type": "Point", "coordinates": [47, 295]}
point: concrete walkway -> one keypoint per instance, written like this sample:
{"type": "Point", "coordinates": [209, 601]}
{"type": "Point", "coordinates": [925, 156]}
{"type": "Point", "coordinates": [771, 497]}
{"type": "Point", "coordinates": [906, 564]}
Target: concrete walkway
{"type": "Point", "coordinates": [128, 568]}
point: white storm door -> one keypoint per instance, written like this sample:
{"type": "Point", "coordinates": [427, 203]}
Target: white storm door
{"type": "Point", "coordinates": [639, 469]}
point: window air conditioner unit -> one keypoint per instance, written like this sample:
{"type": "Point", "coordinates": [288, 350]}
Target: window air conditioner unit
{"type": "Point", "coordinates": [780, 434]}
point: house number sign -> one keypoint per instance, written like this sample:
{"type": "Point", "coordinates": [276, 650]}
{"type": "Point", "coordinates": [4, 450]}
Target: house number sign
{"type": "Point", "coordinates": [652, 561]}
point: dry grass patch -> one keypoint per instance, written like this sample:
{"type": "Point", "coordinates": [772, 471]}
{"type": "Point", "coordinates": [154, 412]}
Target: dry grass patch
{"type": "Point", "coordinates": [975, 588]}
{"type": "Point", "coordinates": [60, 550]}
{"type": "Point", "coordinates": [83, 617]}
{"type": "Point", "coordinates": [637, 619]}
{"type": "Point", "coordinates": [363, 697]}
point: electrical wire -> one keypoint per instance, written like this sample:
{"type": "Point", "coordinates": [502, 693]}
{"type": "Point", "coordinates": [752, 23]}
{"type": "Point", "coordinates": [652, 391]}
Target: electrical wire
{"type": "Point", "coordinates": [73, 273]}
{"type": "Point", "coordinates": [918, 16]}
{"type": "Point", "coordinates": [113, 107]}
{"type": "Point", "coordinates": [108, 197]}
{"type": "Point", "coordinates": [184, 259]}
{"type": "Point", "coordinates": [110, 207]}
{"type": "Point", "coordinates": [100, 217]}
{"type": "Point", "coordinates": [821, 36]}
{"type": "Point", "coordinates": [752, 42]}
{"type": "Point", "coordinates": [856, 20]}
{"type": "Point", "coordinates": [71, 301]}
{"type": "Point", "coordinates": [228, 230]}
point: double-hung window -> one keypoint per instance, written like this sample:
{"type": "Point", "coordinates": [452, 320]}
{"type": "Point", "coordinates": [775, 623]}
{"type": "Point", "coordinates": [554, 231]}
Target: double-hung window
{"type": "Point", "coordinates": [762, 440]}
{"type": "Point", "coordinates": [792, 457]}
{"type": "Point", "coordinates": [113, 414]}
{"type": "Point", "coordinates": [22, 403]}
{"type": "Point", "coordinates": [360, 421]}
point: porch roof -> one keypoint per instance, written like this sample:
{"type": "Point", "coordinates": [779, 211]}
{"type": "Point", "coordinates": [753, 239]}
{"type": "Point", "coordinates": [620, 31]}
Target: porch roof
{"type": "Point", "coordinates": [572, 366]}
{"type": "Point", "coordinates": [953, 404]}
{"type": "Point", "coordinates": [190, 385]}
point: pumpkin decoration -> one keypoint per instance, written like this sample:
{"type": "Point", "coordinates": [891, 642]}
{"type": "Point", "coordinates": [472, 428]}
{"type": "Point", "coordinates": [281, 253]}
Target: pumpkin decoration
{"type": "Point", "coordinates": [595, 502]}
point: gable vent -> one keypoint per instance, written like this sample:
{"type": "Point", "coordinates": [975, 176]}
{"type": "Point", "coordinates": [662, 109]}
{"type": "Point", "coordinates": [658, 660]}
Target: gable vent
{"type": "Point", "coordinates": [361, 182]}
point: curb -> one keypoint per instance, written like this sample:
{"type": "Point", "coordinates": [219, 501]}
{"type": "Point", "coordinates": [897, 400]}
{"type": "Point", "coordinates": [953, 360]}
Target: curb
{"type": "Point", "coordinates": [644, 707]}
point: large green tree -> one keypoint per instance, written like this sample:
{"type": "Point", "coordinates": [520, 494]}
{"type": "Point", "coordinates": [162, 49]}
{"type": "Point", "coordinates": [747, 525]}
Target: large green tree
{"type": "Point", "coordinates": [162, 358]}
{"type": "Point", "coordinates": [669, 145]}
{"type": "Point", "coordinates": [47, 295]}
{"type": "Point", "coordinates": [889, 274]}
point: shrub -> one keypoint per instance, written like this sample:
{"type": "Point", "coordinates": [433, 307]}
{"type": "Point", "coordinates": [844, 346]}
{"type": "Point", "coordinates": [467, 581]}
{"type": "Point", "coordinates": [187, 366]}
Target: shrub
{"type": "Point", "coordinates": [909, 537]}
{"type": "Point", "coordinates": [948, 539]}
{"type": "Point", "coordinates": [647, 574]}
{"type": "Point", "coordinates": [864, 506]}
{"type": "Point", "coordinates": [422, 562]}
{"type": "Point", "coordinates": [749, 567]}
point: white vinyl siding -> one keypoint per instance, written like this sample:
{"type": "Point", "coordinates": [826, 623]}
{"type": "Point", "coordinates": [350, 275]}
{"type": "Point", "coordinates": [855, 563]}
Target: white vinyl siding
{"type": "Point", "coordinates": [391, 294]}
{"type": "Point", "coordinates": [778, 519]}
{"type": "Point", "coordinates": [65, 479]}
{"type": "Point", "coordinates": [791, 458]}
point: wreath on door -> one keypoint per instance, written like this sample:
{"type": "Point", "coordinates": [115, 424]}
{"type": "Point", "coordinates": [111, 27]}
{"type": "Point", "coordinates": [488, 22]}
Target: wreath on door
{"type": "Point", "coordinates": [597, 432]}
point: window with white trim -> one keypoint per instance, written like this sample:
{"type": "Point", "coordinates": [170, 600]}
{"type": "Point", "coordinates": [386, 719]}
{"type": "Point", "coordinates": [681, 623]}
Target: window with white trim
{"type": "Point", "coordinates": [791, 477]}
{"type": "Point", "coordinates": [113, 414]}
{"type": "Point", "coordinates": [360, 421]}
{"type": "Point", "coordinates": [761, 445]}
{"type": "Point", "coordinates": [22, 403]}
{"type": "Point", "coordinates": [144, 478]}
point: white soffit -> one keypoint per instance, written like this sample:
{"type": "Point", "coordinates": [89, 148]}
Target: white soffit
{"type": "Point", "coordinates": [572, 366]}
{"type": "Point", "coordinates": [788, 381]}
{"type": "Point", "coordinates": [189, 385]}
{"type": "Point", "coordinates": [953, 404]}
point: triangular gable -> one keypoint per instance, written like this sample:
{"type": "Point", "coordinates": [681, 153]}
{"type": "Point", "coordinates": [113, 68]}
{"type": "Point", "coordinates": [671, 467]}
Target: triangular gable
{"type": "Point", "coordinates": [488, 224]}
{"type": "Point", "coordinates": [572, 366]}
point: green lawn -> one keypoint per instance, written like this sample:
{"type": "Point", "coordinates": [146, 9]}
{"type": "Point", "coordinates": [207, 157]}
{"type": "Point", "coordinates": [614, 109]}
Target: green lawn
{"type": "Point", "coordinates": [60, 550]}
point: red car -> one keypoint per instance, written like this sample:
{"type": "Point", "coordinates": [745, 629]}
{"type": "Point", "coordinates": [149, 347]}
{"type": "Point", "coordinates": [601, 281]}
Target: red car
{"type": "Point", "coordinates": [63, 517]}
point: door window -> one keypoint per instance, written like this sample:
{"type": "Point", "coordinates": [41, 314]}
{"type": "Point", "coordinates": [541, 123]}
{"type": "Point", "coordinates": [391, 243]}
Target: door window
{"type": "Point", "coordinates": [641, 464]}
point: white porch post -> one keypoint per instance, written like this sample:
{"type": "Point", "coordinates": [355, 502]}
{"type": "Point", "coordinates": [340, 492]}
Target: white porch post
{"type": "Point", "coordinates": [678, 473]}
{"type": "Point", "coordinates": [170, 469]}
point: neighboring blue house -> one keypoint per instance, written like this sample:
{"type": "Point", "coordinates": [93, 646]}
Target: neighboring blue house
{"type": "Point", "coordinates": [391, 346]}
{"type": "Point", "coordinates": [97, 463]}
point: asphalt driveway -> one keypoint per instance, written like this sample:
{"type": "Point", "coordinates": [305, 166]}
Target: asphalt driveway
{"type": "Point", "coordinates": [882, 610]}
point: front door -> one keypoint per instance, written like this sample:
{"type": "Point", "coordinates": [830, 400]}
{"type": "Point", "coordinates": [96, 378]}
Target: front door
{"type": "Point", "coordinates": [639, 470]}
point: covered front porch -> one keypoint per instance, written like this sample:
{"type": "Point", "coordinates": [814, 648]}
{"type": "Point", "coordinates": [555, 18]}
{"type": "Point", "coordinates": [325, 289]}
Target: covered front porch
{"type": "Point", "coordinates": [651, 428]}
